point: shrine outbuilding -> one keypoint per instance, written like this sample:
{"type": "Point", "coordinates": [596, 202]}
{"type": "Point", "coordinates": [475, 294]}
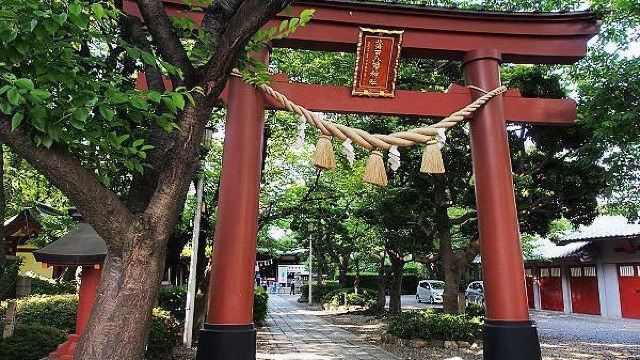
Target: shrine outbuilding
{"type": "Point", "coordinates": [595, 270]}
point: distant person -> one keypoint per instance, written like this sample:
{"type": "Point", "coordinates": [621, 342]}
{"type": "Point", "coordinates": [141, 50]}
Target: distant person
{"type": "Point", "coordinates": [292, 291]}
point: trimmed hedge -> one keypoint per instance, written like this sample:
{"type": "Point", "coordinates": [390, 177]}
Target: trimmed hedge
{"type": "Point", "coordinates": [319, 291]}
{"type": "Point", "coordinates": [370, 281]}
{"type": "Point", "coordinates": [31, 342]}
{"type": "Point", "coordinates": [45, 286]}
{"type": "Point", "coordinates": [163, 335]}
{"type": "Point", "coordinates": [174, 300]}
{"type": "Point", "coordinates": [347, 296]}
{"type": "Point", "coordinates": [475, 310]}
{"type": "Point", "coordinates": [260, 300]}
{"type": "Point", "coordinates": [427, 325]}
{"type": "Point", "coordinates": [59, 312]}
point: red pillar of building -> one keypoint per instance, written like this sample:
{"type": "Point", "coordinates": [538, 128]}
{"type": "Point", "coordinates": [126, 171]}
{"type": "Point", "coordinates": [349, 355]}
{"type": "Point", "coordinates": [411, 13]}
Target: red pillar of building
{"type": "Point", "coordinates": [86, 297]}
{"type": "Point", "coordinates": [508, 332]}
{"type": "Point", "coordinates": [229, 333]}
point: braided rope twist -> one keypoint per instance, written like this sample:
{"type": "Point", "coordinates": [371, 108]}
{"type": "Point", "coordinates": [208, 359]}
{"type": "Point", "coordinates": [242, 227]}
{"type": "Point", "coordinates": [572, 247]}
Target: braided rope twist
{"type": "Point", "coordinates": [421, 135]}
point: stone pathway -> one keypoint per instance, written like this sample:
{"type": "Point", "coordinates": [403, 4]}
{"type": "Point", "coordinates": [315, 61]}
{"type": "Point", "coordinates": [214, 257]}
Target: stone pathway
{"type": "Point", "coordinates": [295, 333]}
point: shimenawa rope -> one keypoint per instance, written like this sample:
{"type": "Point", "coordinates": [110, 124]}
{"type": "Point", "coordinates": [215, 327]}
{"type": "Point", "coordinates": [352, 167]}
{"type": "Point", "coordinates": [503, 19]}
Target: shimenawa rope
{"type": "Point", "coordinates": [431, 135]}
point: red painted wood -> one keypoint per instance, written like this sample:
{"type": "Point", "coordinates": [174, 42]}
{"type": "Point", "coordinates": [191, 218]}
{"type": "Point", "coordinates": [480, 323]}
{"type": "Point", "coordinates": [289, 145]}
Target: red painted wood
{"type": "Point", "coordinates": [630, 293]}
{"type": "Point", "coordinates": [551, 293]}
{"type": "Point", "coordinates": [86, 297]}
{"type": "Point", "coordinates": [433, 32]}
{"type": "Point", "coordinates": [505, 291]}
{"type": "Point", "coordinates": [232, 279]}
{"type": "Point", "coordinates": [585, 298]}
{"type": "Point", "coordinates": [338, 99]}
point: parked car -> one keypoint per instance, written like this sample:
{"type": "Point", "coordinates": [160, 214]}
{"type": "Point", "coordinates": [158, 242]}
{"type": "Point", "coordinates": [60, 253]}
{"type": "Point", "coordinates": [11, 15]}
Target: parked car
{"type": "Point", "coordinates": [430, 291]}
{"type": "Point", "coordinates": [475, 293]}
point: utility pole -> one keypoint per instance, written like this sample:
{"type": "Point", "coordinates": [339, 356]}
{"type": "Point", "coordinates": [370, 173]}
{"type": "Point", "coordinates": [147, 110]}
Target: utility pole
{"type": "Point", "coordinates": [187, 337]}
{"type": "Point", "coordinates": [310, 269]}
{"type": "Point", "coordinates": [191, 288]}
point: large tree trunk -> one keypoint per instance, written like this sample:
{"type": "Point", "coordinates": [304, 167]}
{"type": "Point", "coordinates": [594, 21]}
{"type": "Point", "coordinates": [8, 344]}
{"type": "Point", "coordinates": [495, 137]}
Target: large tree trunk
{"type": "Point", "coordinates": [129, 281]}
{"type": "Point", "coordinates": [443, 225]}
{"type": "Point", "coordinates": [201, 302]}
{"type": "Point", "coordinates": [381, 301]}
{"type": "Point", "coordinates": [342, 273]}
{"type": "Point", "coordinates": [395, 293]}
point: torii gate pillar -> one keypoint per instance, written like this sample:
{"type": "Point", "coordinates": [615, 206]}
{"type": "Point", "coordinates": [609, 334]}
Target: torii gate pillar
{"type": "Point", "coordinates": [229, 333]}
{"type": "Point", "coordinates": [508, 332]}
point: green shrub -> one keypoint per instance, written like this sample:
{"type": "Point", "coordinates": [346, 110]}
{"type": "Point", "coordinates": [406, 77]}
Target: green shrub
{"type": "Point", "coordinates": [57, 311]}
{"type": "Point", "coordinates": [163, 335]}
{"type": "Point", "coordinates": [8, 275]}
{"type": "Point", "coordinates": [174, 300]}
{"type": "Point", "coordinates": [319, 291]}
{"type": "Point", "coordinates": [427, 325]}
{"type": "Point", "coordinates": [370, 281]}
{"type": "Point", "coordinates": [260, 299]}
{"type": "Point", "coordinates": [45, 286]}
{"type": "Point", "coordinates": [31, 342]}
{"type": "Point", "coordinates": [347, 296]}
{"type": "Point", "coordinates": [475, 310]}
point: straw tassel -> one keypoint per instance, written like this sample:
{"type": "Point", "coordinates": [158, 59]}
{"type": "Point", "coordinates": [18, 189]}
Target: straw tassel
{"type": "Point", "coordinates": [432, 162]}
{"type": "Point", "coordinates": [324, 158]}
{"type": "Point", "coordinates": [375, 172]}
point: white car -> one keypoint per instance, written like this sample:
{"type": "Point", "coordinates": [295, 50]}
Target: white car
{"type": "Point", "coordinates": [430, 291]}
{"type": "Point", "coordinates": [475, 293]}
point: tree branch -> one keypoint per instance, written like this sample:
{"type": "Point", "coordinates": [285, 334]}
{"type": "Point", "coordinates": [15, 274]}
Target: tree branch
{"type": "Point", "coordinates": [143, 185]}
{"type": "Point", "coordinates": [249, 17]}
{"type": "Point", "coordinates": [174, 179]}
{"type": "Point", "coordinates": [99, 205]}
{"type": "Point", "coordinates": [165, 37]}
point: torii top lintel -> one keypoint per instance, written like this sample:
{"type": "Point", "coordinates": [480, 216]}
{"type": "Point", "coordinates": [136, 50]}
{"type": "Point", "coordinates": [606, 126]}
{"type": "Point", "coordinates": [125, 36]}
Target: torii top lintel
{"type": "Point", "coordinates": [429, 32]}
{"type": "Point", "coordinates": [434, 32]}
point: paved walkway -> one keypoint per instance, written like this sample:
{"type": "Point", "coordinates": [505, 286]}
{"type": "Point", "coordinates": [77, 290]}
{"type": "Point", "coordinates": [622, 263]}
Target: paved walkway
{"type": "Point", "coordinates": [295, 333]}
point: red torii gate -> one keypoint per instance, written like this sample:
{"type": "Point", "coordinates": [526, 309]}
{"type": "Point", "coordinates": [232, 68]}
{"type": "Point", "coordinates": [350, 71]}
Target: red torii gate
{"type": "Point", "coordinates": [481, 40]}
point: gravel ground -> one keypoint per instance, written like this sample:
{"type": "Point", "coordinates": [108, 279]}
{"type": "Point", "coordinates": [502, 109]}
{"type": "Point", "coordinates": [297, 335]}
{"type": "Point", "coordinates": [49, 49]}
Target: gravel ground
{"type": "Point", "coordinates": [370, 328]}
{"type": "Point", "coordinates": [592, 329]}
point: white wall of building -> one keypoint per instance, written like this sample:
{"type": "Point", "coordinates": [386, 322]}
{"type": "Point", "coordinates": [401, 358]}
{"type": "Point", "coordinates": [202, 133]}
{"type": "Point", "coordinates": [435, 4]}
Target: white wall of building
{"type": "Point", "coordinates": [609, 259]}
{"type": "Point", "coordinates": [566, 289]}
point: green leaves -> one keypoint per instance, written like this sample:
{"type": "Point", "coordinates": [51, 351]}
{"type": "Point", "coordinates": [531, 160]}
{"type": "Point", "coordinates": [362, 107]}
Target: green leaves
{"type": "Point", "coordinates": [14, 96]}
{"type": "Point", "coordinates": [139, 102]}
{"type": "Point", "coordinates": [178, 100]}
{"type": "Point", "coordinates": [75, 9]}
{"type": "Point", "coordinates": [98, 10]}
{"type": "Point", "coordinates": [16, 120]}
{"type": "Point", "coordinates": [8, 35]}
{"type": "Point", "coordinates": [107, 112]}
{"type": "Point", "coordinates": [79, 118]}
{"type": "Point", "coordinates": [24, 84]}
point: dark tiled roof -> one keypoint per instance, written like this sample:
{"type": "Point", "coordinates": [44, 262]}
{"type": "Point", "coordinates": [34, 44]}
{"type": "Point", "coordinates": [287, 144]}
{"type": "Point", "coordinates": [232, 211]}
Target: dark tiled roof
{"type": "Point", "coordinates": [81, 246]}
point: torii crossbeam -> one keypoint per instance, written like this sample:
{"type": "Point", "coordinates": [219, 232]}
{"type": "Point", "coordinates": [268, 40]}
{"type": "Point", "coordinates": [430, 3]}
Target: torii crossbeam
{"type": "Point", "coordinates": [481, 40]}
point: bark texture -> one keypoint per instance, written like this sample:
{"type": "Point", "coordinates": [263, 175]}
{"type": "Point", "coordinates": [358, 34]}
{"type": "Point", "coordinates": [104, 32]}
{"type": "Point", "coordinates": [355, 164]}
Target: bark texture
{"type": "Point", "coordinates": [395, 292]}
{"type": "Point", "coordinates": [454, 262]}
{"type": "Point", "coordinates": [383, 273]}
{"type": "Point", "coordinates": [2, 207]}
